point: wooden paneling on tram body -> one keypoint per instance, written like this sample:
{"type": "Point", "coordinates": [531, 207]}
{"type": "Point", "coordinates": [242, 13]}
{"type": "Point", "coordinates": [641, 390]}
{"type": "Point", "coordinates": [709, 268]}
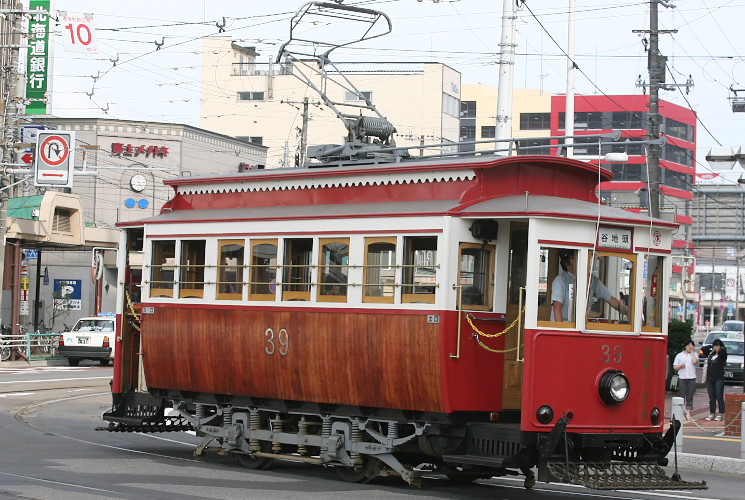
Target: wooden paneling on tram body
{"type": "Point", "coordinates": [370, 359]}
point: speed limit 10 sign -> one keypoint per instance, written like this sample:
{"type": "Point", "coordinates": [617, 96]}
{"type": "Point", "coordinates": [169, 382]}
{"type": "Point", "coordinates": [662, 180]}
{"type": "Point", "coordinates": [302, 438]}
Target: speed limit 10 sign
{"type": "Point", "coordinates": [78, 34]}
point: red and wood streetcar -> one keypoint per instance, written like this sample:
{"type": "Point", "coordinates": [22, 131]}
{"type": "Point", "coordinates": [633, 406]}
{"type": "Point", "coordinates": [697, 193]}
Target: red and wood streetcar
{"type": "Point", "coordinates": [384, 314]}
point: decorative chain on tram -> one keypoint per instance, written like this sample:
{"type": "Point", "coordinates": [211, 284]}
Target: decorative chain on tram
{"type": "Point", "coordinates": [136, 322]}
{"type": "Point", "coordinates": [478, 333]}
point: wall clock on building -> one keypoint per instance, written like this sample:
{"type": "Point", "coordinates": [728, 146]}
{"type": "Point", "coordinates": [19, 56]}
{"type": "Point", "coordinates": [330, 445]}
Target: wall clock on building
{"type": "Point", "coordinates": [138, 182]}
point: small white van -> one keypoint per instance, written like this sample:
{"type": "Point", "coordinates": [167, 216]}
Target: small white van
{"type": "Point", "coordinates": [90, 338]}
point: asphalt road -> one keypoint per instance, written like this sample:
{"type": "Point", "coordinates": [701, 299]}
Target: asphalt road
{"type": "Point", "coordinates": [50, 450]}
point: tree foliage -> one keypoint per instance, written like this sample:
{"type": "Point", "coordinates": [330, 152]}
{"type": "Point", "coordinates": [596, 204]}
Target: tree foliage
{"type": "Point", "coordinates": [678, 334]}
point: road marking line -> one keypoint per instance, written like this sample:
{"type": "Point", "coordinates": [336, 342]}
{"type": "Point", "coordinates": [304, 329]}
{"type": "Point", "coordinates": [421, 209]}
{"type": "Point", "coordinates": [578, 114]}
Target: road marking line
{"type": "Point", "coordinates": [53, 380]}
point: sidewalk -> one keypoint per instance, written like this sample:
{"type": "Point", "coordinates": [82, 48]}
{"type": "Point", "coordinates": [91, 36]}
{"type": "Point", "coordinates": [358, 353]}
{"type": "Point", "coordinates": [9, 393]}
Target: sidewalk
{"type": "Point", "coordinates": [705, 448]}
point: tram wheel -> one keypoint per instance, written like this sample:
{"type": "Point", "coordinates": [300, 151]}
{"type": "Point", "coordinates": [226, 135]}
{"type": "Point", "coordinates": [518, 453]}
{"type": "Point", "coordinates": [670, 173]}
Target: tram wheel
{"type": "Point", "coordinates": [251, 462]}
{"type": "Point", "coordinates": [362, 474]}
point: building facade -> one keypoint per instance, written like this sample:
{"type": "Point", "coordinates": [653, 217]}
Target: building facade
{"type": "Point", "coordinates": [265, 103]}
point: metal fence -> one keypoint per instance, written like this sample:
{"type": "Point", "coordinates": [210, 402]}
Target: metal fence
{"type": "Point", "coordinates": [29, 346]}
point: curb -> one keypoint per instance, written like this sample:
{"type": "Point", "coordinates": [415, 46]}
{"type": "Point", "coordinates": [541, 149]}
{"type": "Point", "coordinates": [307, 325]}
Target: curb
{"type": "Point", "coordinates": [707, 463]}
{"type": "Point", "coordinates": [39, 362]}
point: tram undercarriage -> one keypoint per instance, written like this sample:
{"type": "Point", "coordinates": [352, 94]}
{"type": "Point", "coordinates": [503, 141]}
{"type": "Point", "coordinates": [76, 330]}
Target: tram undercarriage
{"type": "Point", "coordinates": [361, 448]}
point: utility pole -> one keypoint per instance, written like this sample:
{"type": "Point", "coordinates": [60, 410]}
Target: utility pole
{"type": "Point", "coordinates": [10, 104]}
{"type": "Point", "coordinates": [300, 158]}
{"type": "Point", "coordinates": [506, 72]}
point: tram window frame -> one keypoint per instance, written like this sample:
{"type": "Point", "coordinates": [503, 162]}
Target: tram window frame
{"type": "Point", "coordinates": [297, 264]}
{"type": "Point", "coordinates": [263, 275]}
{"type": "Point", "coordinates": [376, 289]}
{"type": "Point", "coordinates": [230, 289]}
{"type": "Point", "coordinates": [410, 291]}
{"type": "Point", "coordinates": [163, 268]}
{"type": "Point", "coordinates": [549, 268]}
{"type": "Point", "coordinates": [595, 323]}
{"type": "Point", "coordinates": [191, 274]}
{"type": "Point", "coordinates": [333, 281]}
{"type": "Point", "coordinates": [480, 273]}
{"type": "Point", "coordinates": [652, 286]}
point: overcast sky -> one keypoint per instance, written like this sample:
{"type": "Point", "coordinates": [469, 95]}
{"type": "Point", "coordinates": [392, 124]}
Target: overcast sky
{"type": "Point", "coordinates": [133, 80]}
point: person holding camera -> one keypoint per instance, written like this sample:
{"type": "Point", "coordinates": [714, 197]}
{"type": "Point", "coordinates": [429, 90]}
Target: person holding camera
{"type": "Point", "coordinates": [685, 365]}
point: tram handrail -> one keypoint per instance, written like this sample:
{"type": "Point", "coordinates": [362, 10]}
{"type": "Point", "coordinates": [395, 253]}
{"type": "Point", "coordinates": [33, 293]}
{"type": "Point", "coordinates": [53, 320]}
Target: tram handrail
{"type": "Point", "coordinates": [458, 287]}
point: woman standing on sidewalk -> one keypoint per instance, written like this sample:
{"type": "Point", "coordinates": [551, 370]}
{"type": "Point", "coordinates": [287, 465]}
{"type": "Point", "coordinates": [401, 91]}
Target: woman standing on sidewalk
{"type": "Point", "coordinates": [685, 364]}
{"type": "Point", "coordinates": [714, 373]}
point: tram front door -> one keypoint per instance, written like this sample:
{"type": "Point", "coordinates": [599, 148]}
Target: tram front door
{"type": "Point", "coordinates": [513, 363]}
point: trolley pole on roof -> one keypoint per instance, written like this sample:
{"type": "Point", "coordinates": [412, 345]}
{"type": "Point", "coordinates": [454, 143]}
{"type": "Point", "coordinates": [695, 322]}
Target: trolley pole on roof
{"type": "Point", "coordinates": [506, 72]}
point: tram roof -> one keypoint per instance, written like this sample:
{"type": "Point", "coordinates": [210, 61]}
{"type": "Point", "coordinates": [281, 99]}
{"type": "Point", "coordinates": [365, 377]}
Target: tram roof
{"type": "Point", "coordinates": [503, 207]}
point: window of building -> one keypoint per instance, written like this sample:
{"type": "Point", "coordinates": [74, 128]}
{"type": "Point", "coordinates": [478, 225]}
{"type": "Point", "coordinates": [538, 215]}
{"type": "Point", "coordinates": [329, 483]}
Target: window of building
{"type": "Point", "coordinates": [162, 268]}
{"type": "Point", "coordinates": [191, 277]}
{"type": "Point", "coordinates": [676, 154]}
{"type": "Point", "coordinates": [488, 132]}
{"type": "Point", "coordinates": [250, 96]}
{"type": "Point", "coordinates": [677, 129]}
{"type": "Point", "coordinates": [631, 147]}
{"type": "Point", "coordinates": [586, 120]}
{"type": "Point", "coordinates": [677, 180]}
{"type": "Point", "coordinates": [297, 267]}
{"type": "Point", "coordinates": [380, 270]}
{"type": "Point", "coordinates": [629, 172]}
{"type": "Point", "coordinates": [476, 276]}
{"type": "Point", "coordinates": [450, 105]}
{"type": "Point", "coordinates": [252, 139]}
{"type": "Point", "coordinates": [468, 109]}
{"type": "Point", "coordinates": [535, 121]}
{"type": "Point", "coordinates": [333, 268]}
{"type": "Point", "coordinates": [62, 220]}
{"type": "Point", "coordinates": [557, 283]}
{"type": "Point", "coordinates": [419, 269]}
{"type": "Point", "coordinates": [652, 302]}
{"type": "Point", "coordinates": [230, 269]}
{"type": "Point", "coordinates": [534, 147]}
{"type": "Point", "coordinates": [263, 270]}
{"type": "Point", "coordinates": [626, 120]}
{"type": "Point", "coordinates": [610, 298]}
{"type": "Point", "coordinates": [350, 96]}
{"type": "Point", "coordinates": [467, 133]}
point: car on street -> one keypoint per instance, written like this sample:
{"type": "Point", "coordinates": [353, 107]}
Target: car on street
{"type": "Point", "coordinates": [90, 338]}
{"type": "Point", "coordinates": [734, 326]}
{"type": "Point", "coordinates": [733, 370]}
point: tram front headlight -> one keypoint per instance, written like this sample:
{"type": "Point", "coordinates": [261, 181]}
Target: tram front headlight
{"type": "Point", "coordinates": [614, 387]}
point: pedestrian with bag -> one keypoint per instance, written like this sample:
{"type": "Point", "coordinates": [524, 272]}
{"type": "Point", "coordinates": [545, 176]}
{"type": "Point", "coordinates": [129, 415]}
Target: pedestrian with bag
{"type": "Point", "coordinates": [714, 376]}
{"type": "Point", "coordinates": [685, 365]}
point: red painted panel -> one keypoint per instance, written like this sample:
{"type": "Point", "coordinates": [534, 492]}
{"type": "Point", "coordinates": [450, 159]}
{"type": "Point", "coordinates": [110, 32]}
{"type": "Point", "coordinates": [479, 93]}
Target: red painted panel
{"type": "Point", "coordinates": [563, 370]}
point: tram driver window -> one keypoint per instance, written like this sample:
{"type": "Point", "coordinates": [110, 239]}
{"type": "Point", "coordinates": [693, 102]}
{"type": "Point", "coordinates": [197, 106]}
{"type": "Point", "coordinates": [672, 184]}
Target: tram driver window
{"type": "Point", "coordinates": [475, 275]}
{"type": "Point", "coordinates": [162, 268]}
{"type": "Point", "coordinates": [654, 267]}
{"type": "Point", "coordinates": [333, 270]}
{"type": "Point", "coordinates": [557, 283]}
{"type": "Point", "coordinates": [610, 299]}
{"type": "Point", "coordinates": [297, 269]}
{"type": "Point", "coordinates": [191, 279]}
{"type": "Point", "coordinates": [419, 269]}
{"type": "Point", "coordinates": [380, 270]}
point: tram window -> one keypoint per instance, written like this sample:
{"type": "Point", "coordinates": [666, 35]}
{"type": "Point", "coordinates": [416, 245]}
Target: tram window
{"type": "Point", "coordinates": [380, 270]}
{"type": "Point", "coordinates": [333, 270]}
{"type": "Point", "coordinates": [263, 270]}
{"type": "Point", "coordinates": [654, 267]}
{"type": "Point", "coordinates": [163, 266]}
{"type": "Point", "coordinates": [475, 275]}
{"type": "Point", "coordinates": [191, 279]}
{"type": "Point", "coordinates": [610, 300]}
{"type": "Point", "coordinates": [297, 269]}
{"type": "Point", "coordinates": [557, 283]}
{"type": "Point", "coordinates": [230, 269]}
{"type": "Point", "coordinates": [420, 269]}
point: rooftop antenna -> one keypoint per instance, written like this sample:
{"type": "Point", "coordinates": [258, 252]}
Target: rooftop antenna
{"type": "Point", "coordinates": [317, 29]}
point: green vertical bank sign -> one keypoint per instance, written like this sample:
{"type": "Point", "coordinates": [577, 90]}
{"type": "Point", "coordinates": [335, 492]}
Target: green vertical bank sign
{"type": "Point", "coordinates": [37, 64]}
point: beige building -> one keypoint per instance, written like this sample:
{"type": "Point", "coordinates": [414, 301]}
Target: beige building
{"type": "Point", "coordinates": [264, 102]}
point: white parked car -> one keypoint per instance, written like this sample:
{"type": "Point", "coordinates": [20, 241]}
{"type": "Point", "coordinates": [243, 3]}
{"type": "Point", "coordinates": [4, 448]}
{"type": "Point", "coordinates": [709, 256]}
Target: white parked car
{"type": "Point", "coordinates": [90, 338]}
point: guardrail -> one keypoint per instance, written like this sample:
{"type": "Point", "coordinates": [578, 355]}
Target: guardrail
{"type": "Point", "coordinates": [30, 346]}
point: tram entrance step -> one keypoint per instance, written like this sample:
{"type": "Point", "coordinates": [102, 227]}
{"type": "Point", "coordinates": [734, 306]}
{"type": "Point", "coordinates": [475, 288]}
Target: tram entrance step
{"type": "Point", "coordinates": [488, 445]}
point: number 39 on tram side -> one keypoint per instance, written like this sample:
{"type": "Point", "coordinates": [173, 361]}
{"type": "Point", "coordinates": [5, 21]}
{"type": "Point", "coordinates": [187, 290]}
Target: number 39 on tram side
{"type": "Point", "coordinates": [471, 317]}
